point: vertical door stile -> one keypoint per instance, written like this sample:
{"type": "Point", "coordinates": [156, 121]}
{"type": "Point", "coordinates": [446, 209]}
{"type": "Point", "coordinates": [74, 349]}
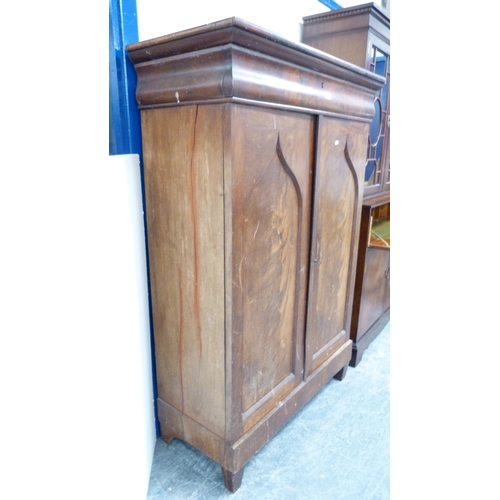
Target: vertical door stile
{"type": "Point", "coordinates": [313, 242]}
{"type": "Point", "coordinates": [356, 225]}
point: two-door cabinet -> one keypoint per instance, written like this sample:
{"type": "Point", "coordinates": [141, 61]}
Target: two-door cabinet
{"type": "Point", "coordinates": [254, 151]}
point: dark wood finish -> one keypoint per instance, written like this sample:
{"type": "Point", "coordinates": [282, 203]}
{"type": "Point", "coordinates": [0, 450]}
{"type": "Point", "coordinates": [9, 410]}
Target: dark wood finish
{"type": "Point", "coordinates": [359, 347]}
{"type": "Point", "coordinates": [232, 480]}
{"type": "Point", "coordinates": [254, 150]}
{"type": "Point", "coordinates": [375, 294]}
{"type": "Point", "coordinates": [341, 374]}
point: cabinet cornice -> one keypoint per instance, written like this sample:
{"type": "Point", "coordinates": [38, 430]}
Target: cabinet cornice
{"type": "Point", "coordinates": [236, 61]}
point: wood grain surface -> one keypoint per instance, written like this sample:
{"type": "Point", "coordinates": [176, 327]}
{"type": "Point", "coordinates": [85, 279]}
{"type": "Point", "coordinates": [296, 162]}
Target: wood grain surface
{"type": "Point", "coordinates": [185, 216]}
{"type": "Point", "coordinates": [254, 148]}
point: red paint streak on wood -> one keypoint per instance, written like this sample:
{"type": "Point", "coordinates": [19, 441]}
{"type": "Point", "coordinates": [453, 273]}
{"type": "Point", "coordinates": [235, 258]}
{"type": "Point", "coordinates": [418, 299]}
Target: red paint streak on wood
{"type": "Point", "coordinates": [196, 242]}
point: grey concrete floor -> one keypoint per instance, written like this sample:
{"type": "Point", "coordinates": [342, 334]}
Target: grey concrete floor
{"type": "Point", "coordinates": [336, 447]}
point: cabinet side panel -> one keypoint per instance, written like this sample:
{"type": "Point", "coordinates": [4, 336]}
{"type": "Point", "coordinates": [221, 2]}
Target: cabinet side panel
{"type": "Point", "coordinates": [183, 162]}
{"type": "Point", "coordinates": [335, 236]}
{"type": "Point", "coordinates": [271, 185]}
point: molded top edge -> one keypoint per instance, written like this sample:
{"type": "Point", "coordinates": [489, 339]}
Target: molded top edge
{"type": "Point", "coordinates": [226, 31]}
{"type": "Point", "coordinates": [179, 35]}
{"type": "Point", "coordinates": [350, 11]}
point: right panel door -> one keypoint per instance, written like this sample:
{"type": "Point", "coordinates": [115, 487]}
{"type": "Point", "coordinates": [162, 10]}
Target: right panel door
{"type": "Point", "coordinates": [340, 161]}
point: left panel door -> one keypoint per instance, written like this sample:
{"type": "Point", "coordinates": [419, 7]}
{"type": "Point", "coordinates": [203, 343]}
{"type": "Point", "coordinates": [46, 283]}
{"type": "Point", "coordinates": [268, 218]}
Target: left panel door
{"type": "Point", "coordinates": [271, 178]}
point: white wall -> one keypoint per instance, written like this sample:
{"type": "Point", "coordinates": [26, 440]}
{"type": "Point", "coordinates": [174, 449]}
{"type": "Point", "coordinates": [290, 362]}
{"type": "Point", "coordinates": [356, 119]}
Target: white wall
{"type": "Point", "coordinates": [158, 18]}
{"type": "Point", "coordinates": [75, 365]}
